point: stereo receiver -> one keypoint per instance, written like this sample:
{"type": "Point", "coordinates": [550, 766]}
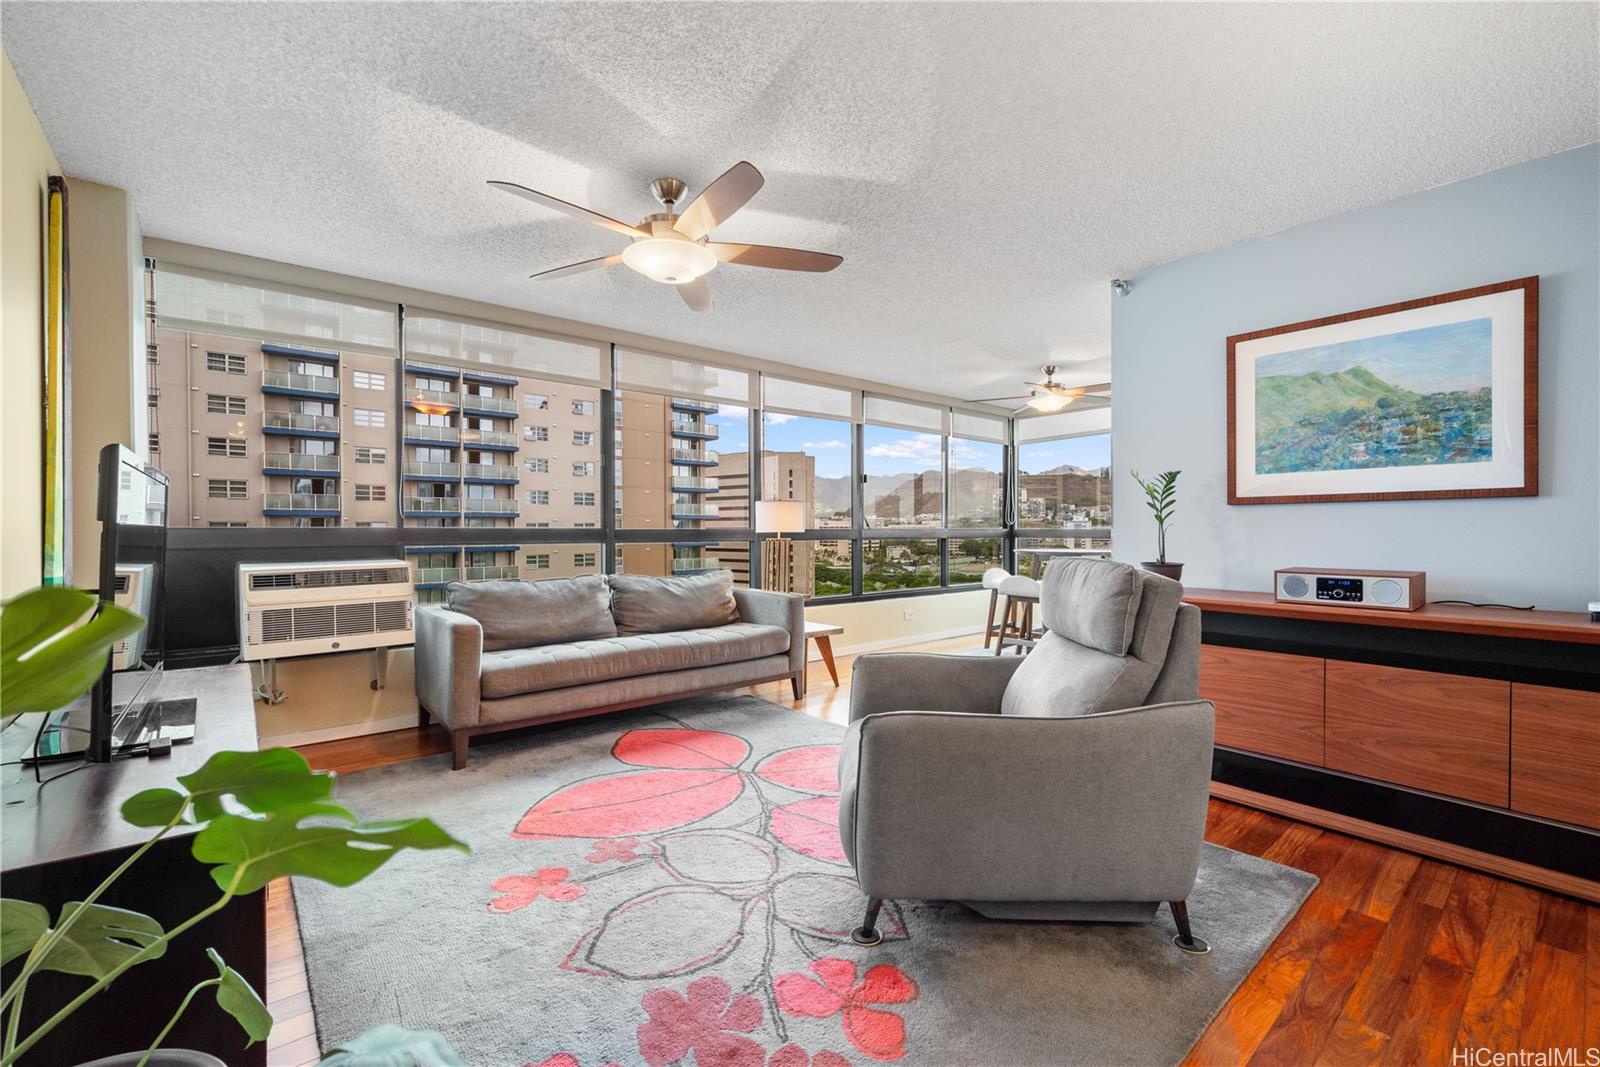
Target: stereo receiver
{"type": "Point", "coordinates": [1387, 590]}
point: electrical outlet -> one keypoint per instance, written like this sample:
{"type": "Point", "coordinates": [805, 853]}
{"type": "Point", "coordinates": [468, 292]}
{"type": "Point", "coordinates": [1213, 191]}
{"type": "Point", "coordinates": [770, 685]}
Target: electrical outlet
{"type": "Point", "coordinates": [905, 616]}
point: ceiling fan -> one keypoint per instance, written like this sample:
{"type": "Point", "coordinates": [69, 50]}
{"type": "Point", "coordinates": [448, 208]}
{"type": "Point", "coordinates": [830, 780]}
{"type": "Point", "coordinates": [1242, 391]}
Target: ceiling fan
{"type": "Point", "coordinates": [671, 247]}
{"type": "Point", "coordinates": [1048, 395]}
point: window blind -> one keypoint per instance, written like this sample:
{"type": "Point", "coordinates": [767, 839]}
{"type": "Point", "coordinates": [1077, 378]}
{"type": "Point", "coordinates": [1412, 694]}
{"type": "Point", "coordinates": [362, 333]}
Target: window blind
{"type": "Point", "coordinates": [679, 377]}
{"type": "Point", "coordinates": [904, 414]}
{"type": "Point", "coordinates": [189, 298]}
{"type": "Point", "coordinates": [806, 398]}
{"type": "Point", "coordinates": [433, 336]}
{"type": "Point", "coordinates": [1064, 424]}
{"type": "Point", "coordinates": [975, 427]}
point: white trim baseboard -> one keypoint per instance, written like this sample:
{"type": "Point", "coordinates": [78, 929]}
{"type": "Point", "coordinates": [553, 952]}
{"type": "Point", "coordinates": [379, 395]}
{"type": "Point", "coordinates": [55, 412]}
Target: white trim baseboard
{"type": "Point", "coordinates": [339, 732]}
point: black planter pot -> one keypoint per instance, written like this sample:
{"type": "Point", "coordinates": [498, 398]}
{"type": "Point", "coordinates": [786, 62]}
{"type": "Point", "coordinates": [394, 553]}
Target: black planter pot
{"type": "Point", "coordinates": [166, 1057]}
{"type": "Point", "coordinates": [1166, 570]}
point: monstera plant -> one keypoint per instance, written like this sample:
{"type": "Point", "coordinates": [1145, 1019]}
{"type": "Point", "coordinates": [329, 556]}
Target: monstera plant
{"type": "Point", "coordinates": [252, 816]}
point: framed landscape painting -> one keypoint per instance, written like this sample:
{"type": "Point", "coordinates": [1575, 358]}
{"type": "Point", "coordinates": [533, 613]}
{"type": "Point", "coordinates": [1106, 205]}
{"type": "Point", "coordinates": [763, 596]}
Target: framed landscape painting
{"type": "Point", "coordinates": [1437, 397]}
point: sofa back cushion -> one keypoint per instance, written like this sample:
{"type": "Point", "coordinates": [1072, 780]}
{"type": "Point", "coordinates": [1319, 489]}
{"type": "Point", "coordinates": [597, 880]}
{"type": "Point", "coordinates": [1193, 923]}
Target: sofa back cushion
{"type": "Point", "coordinates": [645, 605]}
{"type": "Point", "coordinates": [518, 614]}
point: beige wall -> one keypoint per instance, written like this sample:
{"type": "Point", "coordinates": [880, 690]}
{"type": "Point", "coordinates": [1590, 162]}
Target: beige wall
{"type": "Point", "coordinates": [106, 266]}
{"type": "Point", "coordinates": [26, 164]}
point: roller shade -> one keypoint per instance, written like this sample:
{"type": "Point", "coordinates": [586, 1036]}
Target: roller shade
{"type": "Point", "coordinates": [435, 336]}
{"type": "Point", "coordinates": [1064, 424]}
{"type": "Point", "coordinates": [677, 377]}
{"type": "Point", "coordinates": [904, 414]}
{"type": "Point", "coordinates": [806, 398]}
{"type": "Point", "coordinates": [189, 298]}
{"type": "Point", "coordinates": [974, 427]}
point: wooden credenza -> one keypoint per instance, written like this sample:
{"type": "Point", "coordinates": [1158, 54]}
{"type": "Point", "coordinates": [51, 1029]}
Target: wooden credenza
{"type": "Point", "coordinates": [1473, 734]}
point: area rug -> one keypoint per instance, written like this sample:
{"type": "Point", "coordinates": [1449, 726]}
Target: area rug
{"type": "Point", "coordinates": [667, 887]}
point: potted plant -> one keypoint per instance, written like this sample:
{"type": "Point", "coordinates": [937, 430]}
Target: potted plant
{"type": "Point", "coordinates": [256, 817]}
{"type": "Point", "coordinates": [1161, 496]}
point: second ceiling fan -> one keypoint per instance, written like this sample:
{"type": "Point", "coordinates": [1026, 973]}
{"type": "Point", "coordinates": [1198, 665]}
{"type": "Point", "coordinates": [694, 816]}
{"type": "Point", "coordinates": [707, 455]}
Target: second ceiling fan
{"type": "Point", "coordinates": [1048, 395]}
{"type": "Point", "coordinates": [672, 247]}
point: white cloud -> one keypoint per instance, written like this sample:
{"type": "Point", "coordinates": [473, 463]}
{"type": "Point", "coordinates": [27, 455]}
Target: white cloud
{"type": "Point", "coordinates": [778, 418]}
{"type": "Point", "coordinates": [922, 446]}
{"type": "Point", "coordinates": [824, 444]}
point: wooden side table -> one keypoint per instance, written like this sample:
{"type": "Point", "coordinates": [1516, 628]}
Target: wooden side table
{"type": "Point", "coordinates": [822, 633]}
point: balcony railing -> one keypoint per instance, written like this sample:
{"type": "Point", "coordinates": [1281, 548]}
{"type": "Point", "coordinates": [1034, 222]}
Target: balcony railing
{"type": "Point", "coordinates": [694, 455]}
{"type": "Point", "coordinates": [427, 399]}
{"type": "Point", "coordinates": [687, 484]}
{"type": "Point", "coordinates": [488, 438]}
{"type": "Point", "coordinates": [297, 461]}
{"type": "Point", "coordinates": [695, 427]}
{"type": "Point", "coordinates": [694, 511]}
{"type": "Point", "coordinates": [500, 405]}
{"type": "Point", "coordinates": [487, 574]}
{"type": "Point", "coordinates": [687, 564]}
{"type": "Point", "coordinates": [306, 383]}
{"type": "Point", "coordinates": [300, 501]}
{"type": "Point", "coordinates": [293, 420]}
{"type": "Point", "coordinates": [435, 575]}
{"type": "Point", "coordinates": [500, 472]}
{"type": "Point", "coordinates": [680, 403]}
{"type": "Point", "coordinates": [449, 471]}
{"type": "Point", "coordinates": [484, 506]}
{"type": "Point", "coordinates": [446, 505]}
{"type": "Point", "coordinates": [412, 431]}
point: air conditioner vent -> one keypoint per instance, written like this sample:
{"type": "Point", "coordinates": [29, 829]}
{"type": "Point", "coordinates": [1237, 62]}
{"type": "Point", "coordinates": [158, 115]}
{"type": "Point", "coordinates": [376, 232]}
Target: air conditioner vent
{"type": "Point", "coordinates": [355, 618]}
{"type": "Point", "coordinates": [394, 615]}
{"type": "Point", "coordinates": [121, 583]}
{"type": "Point", "coordinates": [277, 624]}
{"type": "Point", "coordinates": [308, 608]}
{"type": "Point", "coordinates": [329, 579]}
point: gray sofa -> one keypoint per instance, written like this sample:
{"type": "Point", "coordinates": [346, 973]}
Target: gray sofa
{"type": "Point", "coordinates": [1070, 784]}
{"type": "Point", "coordinates": [507, 654]}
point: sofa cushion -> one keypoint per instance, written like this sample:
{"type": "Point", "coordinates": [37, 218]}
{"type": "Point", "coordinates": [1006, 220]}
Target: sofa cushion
{"type": "Point", "coordinates": [645, 605]}
{"type": "Point", "coordinates": [1060, 678]}
{"type": "Point", "coordinates": [1092, 602]}
{"type": "Point", "coordinates": [518, 614]}
{"type": "Point", "coordinates": [534, 670]}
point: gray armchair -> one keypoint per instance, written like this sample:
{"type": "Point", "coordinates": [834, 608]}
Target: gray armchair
{"type": "Point", "coordinates": [1071, 784]}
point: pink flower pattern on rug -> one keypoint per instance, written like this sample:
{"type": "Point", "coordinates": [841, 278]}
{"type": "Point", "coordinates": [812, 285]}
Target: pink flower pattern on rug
{"type": "Point", "coordinates": [880, 1034]}
{"type": "Point", "coordinates": [709, 1021]}
{"type": "Point", "coordinates": [564, 1059]}
{"type": "Point", "coordinates": [795, 1056]}
{"type": "Point", "coordinates": [523, 889]}
{"type": "Point", "coordinates": [620, 849]}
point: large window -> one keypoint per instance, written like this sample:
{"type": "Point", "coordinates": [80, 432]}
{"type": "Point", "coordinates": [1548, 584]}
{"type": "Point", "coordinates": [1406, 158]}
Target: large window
{"type": "Point", "coordinates": [901, 564]}
{"type": "Point", "coordinates": [1063, 487]}
{"type": "Point", "coordinates": [808, 459]}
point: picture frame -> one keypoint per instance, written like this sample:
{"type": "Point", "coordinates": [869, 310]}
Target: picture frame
{"type": "Point", "coordinates": [1435, 398]}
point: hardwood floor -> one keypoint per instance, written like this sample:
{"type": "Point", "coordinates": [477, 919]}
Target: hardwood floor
{"type": "Point", "coordinates": [1394, 959]}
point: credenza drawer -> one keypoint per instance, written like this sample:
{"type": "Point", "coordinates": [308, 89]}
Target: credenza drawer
{"type": "Point", "coordinates": [1555, 753]}
{"type": "Point", "coordinates": [1445, 733]}
{"type": "Point", "coordinates": [1267, 702]}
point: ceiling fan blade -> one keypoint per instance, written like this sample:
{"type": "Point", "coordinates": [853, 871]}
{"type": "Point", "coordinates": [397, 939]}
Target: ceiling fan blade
{"type": "Point", "coordinates": [995, 399]}
{"type": "Point", "coordinates": [774, 257]}
{"type": "Point", "coordinates": [697, 294]}
{"type": "Point", "coordinates": [1080, 390]}
{"type": "Point", "coordinates": [579, 268]}
{"type": "Point", "coordinates": [1051, 386]}
{"type": "Point", "coordinates": [570, 209]}
{"type": "Point", "coordinates": [718, 200]}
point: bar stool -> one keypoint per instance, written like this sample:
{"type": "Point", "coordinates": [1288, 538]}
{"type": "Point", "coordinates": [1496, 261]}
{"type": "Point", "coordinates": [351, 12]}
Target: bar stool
{"type": "Point", "coordinates": [991, 581]}
{"type": "Point", "coordinates": [1016, 620]}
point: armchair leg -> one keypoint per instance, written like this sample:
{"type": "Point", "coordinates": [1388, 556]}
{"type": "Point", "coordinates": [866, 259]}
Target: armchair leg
{"type": "Point", "coordinates": [1186, 939]}
{"type": "Point", "coordinates": [867, 933]}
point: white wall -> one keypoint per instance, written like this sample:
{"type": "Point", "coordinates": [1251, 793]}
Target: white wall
{"type": "Point", "coordinates": [1169, 349]}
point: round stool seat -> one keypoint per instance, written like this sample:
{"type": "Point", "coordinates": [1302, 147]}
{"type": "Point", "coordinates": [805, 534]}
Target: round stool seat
{"type": "Point", "coordinates": [1019, 585]}
{"type": "Point", "coordinates": [994, 576]}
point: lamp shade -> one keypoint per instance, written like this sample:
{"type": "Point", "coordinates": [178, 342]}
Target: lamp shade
{"type": "Point", "coordinates": [780, 516]}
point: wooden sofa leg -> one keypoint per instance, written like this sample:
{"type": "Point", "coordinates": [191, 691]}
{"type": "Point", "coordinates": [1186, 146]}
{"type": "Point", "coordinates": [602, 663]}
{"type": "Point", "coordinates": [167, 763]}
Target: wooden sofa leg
{"type": "Point", "coordinates": [422, 717]}
{"type": "Point", "coordinates": [458, 750]}
{"type": "Point", "coordinates": [1186, 939]}
{"type": "Point", "coordinates": [797, 683]}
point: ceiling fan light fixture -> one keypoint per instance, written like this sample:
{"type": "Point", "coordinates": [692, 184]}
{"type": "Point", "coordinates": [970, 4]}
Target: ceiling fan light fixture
{"type": "Point", "coordinates": [1049, 402]}
{"type": "Point", "coordinates": [671, 260]}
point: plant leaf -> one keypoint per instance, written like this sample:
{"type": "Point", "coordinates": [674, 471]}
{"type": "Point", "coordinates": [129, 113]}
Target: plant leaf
{"type": "Point", "coordinates": [22, 924]}
{"type": "Point", "coordinates": [261, 849]}
{"type": "Point", "coordinates": [47, 660]}
{"type": "Point", "coordinates": [239, 999]}
{"type": "Point", "coordinates": [152, 807]}
{"type": "Point", "coordinates": [391, 1046]}
{"type": "Point", "coordinates": [265, 782]}
{"type": "Point", "coordinates": [101, 939]}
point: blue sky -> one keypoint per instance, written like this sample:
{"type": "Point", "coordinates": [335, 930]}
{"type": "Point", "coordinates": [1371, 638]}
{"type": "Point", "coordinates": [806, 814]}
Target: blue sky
{"type": "Point", "coordinates": [1090, 453]}
{"type": "Point", "coordinates": [826, 439]}
{"type": "Point", "coordinates": [1434, 359]}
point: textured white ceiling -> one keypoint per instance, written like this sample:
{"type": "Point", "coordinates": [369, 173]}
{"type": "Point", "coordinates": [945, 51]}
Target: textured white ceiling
{"type": "Point", "coordinates": [984, 169]}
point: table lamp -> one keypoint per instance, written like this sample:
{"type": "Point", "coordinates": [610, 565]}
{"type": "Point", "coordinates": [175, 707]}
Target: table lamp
{"type": "Point", "coordinates": [777, 553]}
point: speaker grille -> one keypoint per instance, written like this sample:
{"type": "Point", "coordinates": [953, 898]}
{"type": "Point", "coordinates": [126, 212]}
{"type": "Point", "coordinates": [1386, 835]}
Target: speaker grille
{"type": "Point", "coordinates": [1295, 586]}
{"type": "Point", "coordinates": [1387, 591]}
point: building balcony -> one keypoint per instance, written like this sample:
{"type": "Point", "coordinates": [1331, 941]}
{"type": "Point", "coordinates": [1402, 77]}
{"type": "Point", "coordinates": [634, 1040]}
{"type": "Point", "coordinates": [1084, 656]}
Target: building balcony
{"type": "Point", "coordinates": [436, 436]}
{"type": "Point", "coordinates": [700, 407]}
{"type": "Point", "coordinates": [491, 379]}
{"type": "Point", "coordinates": [435, 576]}
{"type": "Point", "coordinates": [318, 355]}
{"type": "Point", "coordinates": [293, 463]}
{"type": "Point", "coordinates": [489, 574]}
{"type": "Point", "coordinates": [694, 430]}
{"type": "Point", "coordinates": [431, 370]}
{"type": "Point", "coordinates": [431, 472]}
{"type": "Point", "coordinates": [289, 383]}
{"type": "Point", "coordinates": [294, 424]}
{"type": "Point", "coordinates": [433, 401]}
{"type": "Point", "coordinates": [694, 457]}
{"type": "Point", "coordinates": [325, 504]}
{"type": "Point", "coordinates": [490, 440]}
{"type": "Point", "coordinates": [491, 473]}
{"type": "Point", "coordinates": [683, 484]}
{"type": "Point", "coordinates": [489, 506]}
{"type": "Point", "coordinates": [694, 564]}
{"type": "Point", "coordinates": [499, 406]}
{"type": "Point", "coordinates": [694, 511]}
{"type": "Point", "coordinates": [429, 506]}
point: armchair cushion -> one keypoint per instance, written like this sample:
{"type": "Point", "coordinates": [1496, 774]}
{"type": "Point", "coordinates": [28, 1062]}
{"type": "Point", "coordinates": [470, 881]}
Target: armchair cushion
{"type": "Point", "coordinates": [1059, 678]}
{"type": "Point", "coordinates": [1092, 602]}
{"type": "Point", "coordinates": [645, 605]}
{"type": "Point", "coordinates": [518, 614]}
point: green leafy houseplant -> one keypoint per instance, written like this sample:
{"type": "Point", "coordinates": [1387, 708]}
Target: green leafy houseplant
{"type": "Point", "coordinates": [1161, 496]}
{"type": "Point", "coordinates": [256, 816]}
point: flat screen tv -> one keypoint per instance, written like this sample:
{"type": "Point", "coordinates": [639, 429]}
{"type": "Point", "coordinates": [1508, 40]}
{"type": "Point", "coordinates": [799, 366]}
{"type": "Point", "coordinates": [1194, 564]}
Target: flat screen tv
{"type": "Point", "coordinates": [123, 713]}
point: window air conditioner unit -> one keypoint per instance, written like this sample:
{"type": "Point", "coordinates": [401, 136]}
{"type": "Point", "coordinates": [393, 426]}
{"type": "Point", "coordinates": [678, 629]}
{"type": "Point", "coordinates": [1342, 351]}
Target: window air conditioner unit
{"type": "Point", "coordinates": [133, 591]}
{"type": "Point", "coordinates": [305, 609]}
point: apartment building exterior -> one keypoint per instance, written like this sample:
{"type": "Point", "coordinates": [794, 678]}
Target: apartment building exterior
{"type": "Point", "coordinates": [784, 476]}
